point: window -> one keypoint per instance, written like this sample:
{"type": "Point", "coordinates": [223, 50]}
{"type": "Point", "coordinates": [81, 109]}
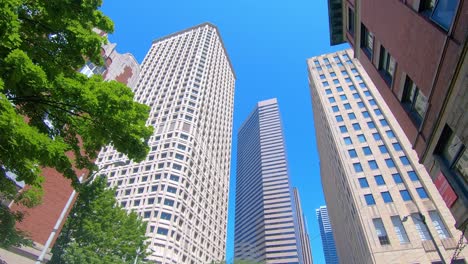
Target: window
{"type": "Point", "coordinates": [397, 146]}
{"type": "Point", "coordinates": [361, 105]}
{"type": "Point", "coordinates": [171, 189]}
{"type": "Point", "coordinates": [335, 81]}
{"type": "Point", "coordinates": [379, 180]}
{"type": "Point", "coordinates": [331, 99]}
{"type": "Point", "coordinates": [343, 97]}
{"type": "Point", "coordinates": [365, 114]}
{"type": "Point", "coordinates": [400, 229]}
{"type": "Point", "coordinates": [162, 231]}
{"type": "Point", "coordinates": [383, 149]}
{"type": "Point", "coordinates": [397, 178]}
{"type": "Point", "coordinates": [387, 198]}
{"type": "Point", "coordinates": [369, 199]}
{"type": "Point", "coordinates": [371, 124]}
{"type": "Point", "coordinates": [405, 195]}
{"type": "Point", "coordinates": [380, 231]}
{"type": "Point", "coordinates": [168, 202]}
{"type": "Point", "coordinates": [344, 72]}
{"type": "Point", "coordinates": [376, 136]}
{"type": "Point", "coordinates": [352, 153]}
{"type": "Point", "coordinates": [339, 89]}
{"type": "Point", "coordinates": [347, 106]}
{"type": "Point", "coordinates": [351, 21]}
{"type": "Point", "coordinates": [325, 84]}
{"type": "Point", "coordinates": [166, 216]}
{"type": "Point", "coordinates": [420, 227]}
{"type": "Point", "coordinates": [361, 138]}
{"type": "Point", "coordinates": [322, 76]}
{"type": "Point", "coordinates": [328, 91]}
{"type": "Point", "coordinates": [453, 153]}
{"type": "Point", "coordinates": [386, 65]}
{"type": "Point", "coordinates": [404, 160]}
{"type": "Point", "coordinates": [335, 109]}
{"type": "Point", "coordinates": [339, 118]}
{"type": "Point", "coordinates": [332, 74]}
{"type": "Point", "coordinates": [356, 127]}
{"type": "Point", "coordinates": [378, 112]}
{"type": "Point", "coordinates": [348, 141]}
{"type": "Point", "coordinates": [373, 165]}
{"type": "Point", "coordinates": [390, 163]}
{"type": "Point", "coordinates": [383, 122]}
{"type": "Point", "coordinates": [443, 13]}
{"type": "Point", "coordinates": [414, 101]}
{"type": "Point", "coordinates": [348, 80]}
{"type": "Point", "coordinates": [351, 116]}
{"type": "Point", "coordinates": [343, 129]}
{"type": "Point", "coordinates": [362, 85]}
{"type": "Point", "coordinates": [372, 102]}
{"type": "Point", "coordinates": [174, 178]}
{"type": "Point", "coordinates": [413, 176]}
{"type": "Point", "coordinates": [352, 87]}
{"type": "Point", "coordinates": [356, 96]}
{"type": "Point", "coordinates": [357, 167]}
{"type": "Point", "coordinates": [422, 193]}
{"type": "Point", "coordinates": [439, 225]}
{"type": "Point", "coordinates": [363, 182]}
{"type": "Point", "coordinates": [367, 94]}
{"type": "Point", "coordinates": [390, 134]}
{"type": "Point", "coordinates": [147, 214]}
{"type": "Point", "coordinates": [367, 151]}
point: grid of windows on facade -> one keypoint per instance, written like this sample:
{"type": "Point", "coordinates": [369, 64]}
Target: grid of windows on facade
{"type": "Point", "coordinates": [182, 76]}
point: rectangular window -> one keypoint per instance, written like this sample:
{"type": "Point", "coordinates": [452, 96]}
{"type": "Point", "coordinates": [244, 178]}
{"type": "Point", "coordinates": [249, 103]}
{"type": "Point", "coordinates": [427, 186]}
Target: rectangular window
{"type": "Point", "coordinates": [325, 84]}
{"type": "Point", "coordinates": [168, 202]}
{"type": "Point", "coordinates": [351, 116]}
{"type": "Point", "coordinates": [397, 146]}
{"type": "Point", "coordinates": [328, 91]}
{"type": "Point", "coordinates": [174, 178]}
{"type": "Point", "coordinates": [413, 176]}
{"type": "Point", "coordinates": [390, 134]}
{"type": "Point", "coordinates": [443, 13]}
{"type": "Point", "coordinates": [347, 106]}
{"type": "Point", "coordinates": [357, 167]}
{"type": "Point", "coordinates": [367, 41]}
{"type": "Point", "coordinates": [387, 198]}
{"type": "Point", "coordinates": [383, 149]}
{"type": "Point", "coordinates": [383, 122]}
{"type": "Point", "coordinates": [397, 178]}
{"type": "Point", "coordinates": [348, 141]}
{"type": "Point", "coordinates": [371, 124]}
{"type": "Point", "coordinates": [373, 165]}
{"type": "Point", "coordinates": [404, 160]}
{"type": "Point", "coordinates": [380, 231]}
{"type": "Point", "coordinates": [420, 226]}
{"type": "Point", "coordinates": [162, 231]}
{"type": "Point", "coordinates": [166, 216]}
{"type": "Point", "coordinates": [331, 99]}
{"type": "Point", "coordinates": [343, 97]}
{"type": "Point", "coordinates": [352, 153]}
{"type": "Point", "coordinates": [400, 229]}
{"type": "Point", "coordinates": [453, 153]}
{"type": "Point", "coordinates": [339, 118]}
{"type": "Point", "coordinates": [335, 81]}
{"type": "Point", "coordinates": [339, 89]}
{"type": "Point", "coordinates": [439, 225]}
{"type": "Point", "coordinates": [369, 199]}
{"type": "Point", "coordinates": [376, 136]}
{"type": "Point", "coordinates": [356, 127]}
{"type": "Point", "coordinates": [365, 114]}
{"type": "Point", "coordinates": [351, 21]}
{"type": "Point", "coordinates": [367, 151]}
{"type": "Point", "coordinates": [414, 101]}
{"type": "Point", "coordinates": [405, 195]}
{"type": "Point", "coordinates": [322, 76]}
{"type": "Point", "coordinates": [335, 109]}
{"type": "Point", "coordinates": [386, 65]}
{"type": "Point", "coordinates": [361, 138]}
{"type": "Point", "coordinates": [390, 163]}
{"type": "Point", "coordinates": [422, 193]}
{"type": "Point", "coordinates": [363, 183]}
{"type": "Point", "coordinates": [343, 129]}
{"type": "Point", "coordinates": [379, 180]}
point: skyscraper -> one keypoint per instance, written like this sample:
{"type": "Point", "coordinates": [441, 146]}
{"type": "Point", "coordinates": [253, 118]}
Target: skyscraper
{"type": "Point", "coordinates": [328, 242]}
{"type": "Point", "coordinates": [182, 187]}
{"type": "Point", "coordinates": [303, 230]}
{"type": "Point", "coordinates": [423, 81]}
{"type": "Point", "coordinates": [378, 196]}
{"type": "Point", "coordinates": [265, 222]}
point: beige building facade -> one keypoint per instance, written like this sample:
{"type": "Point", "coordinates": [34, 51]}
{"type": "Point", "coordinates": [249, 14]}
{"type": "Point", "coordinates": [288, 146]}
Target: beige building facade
{"type": "Point", "coordinates": [378, 196]}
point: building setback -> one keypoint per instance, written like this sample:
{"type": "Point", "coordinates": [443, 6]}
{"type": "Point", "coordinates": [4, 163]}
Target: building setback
{"type": "Point", "coordinates": [265, 221]}
{"type": "Point", "coordinates": [415, 51]}
{"type": "Point", "coordinates": [39, 222]}
{"type": "Point", "coordinates": [377, 193]}
{"type": "Point", "coordinates": [303, 230]}
{"type": "Point", "coordinates": [181, 189]}
{"type": "Point", "coordinates": [328, 243]}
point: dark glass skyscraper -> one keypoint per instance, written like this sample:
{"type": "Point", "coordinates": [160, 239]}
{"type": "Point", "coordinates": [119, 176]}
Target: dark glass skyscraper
{"type": "Point", "coordinates": [265, 222]}
{"type": "Point", "coordinates": [328, 242]}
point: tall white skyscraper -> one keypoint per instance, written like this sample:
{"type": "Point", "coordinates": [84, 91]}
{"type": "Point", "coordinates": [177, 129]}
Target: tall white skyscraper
{"type": "Point", "coordinates": [182, 187]}
{"type": "Point", "coordinates": [379, 198]}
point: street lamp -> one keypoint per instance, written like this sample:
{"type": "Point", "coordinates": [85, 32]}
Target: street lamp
{"type": "Point", "coordinates": [67, 206]}
{"type": "Point", "coordinates": [422, 219]}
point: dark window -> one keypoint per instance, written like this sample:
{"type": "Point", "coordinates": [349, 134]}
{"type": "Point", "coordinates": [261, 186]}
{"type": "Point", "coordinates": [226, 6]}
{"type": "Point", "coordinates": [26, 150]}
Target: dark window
{"type": "Point", "coordinates": [162, 231]}
{"type": "Point", "coordinates": [453, 153]}
{"type": "Point", "coordinates": [367, 41]}
{"type": "Point", "coordinates": [386, 65]}
{"type": "Point", "coordinates": [444, 12]}
{"type": "Point", "coordinates": [350, 21]}
{"type": "Point", "coordinates": [414, 101]}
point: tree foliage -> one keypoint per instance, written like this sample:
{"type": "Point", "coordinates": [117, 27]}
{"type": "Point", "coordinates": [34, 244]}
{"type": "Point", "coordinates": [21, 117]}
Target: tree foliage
{"type": "Point", "coordinates": [47, 108]}
{"type": "Point", "coordinates": [99, 231]}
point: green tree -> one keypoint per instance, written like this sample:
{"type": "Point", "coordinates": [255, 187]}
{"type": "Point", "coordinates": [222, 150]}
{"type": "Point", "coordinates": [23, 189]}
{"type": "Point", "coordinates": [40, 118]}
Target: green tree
{"type": "Point", "coordinates": [99, 231]}
{"type": "Point", "coordinates": [48, 110]}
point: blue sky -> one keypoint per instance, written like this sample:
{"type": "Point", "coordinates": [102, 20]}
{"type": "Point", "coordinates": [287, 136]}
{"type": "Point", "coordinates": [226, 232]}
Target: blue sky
{"type": "Point", "coordinates": [268, 43]}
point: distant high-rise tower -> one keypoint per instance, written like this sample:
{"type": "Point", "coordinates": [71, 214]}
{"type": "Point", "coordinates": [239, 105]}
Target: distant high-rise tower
{"type": "Point", "coordinates": [182, 187]}
{"type": "Point", "coordinates": [378, 196]}
{"type": "Point", "coordinates": [328, 242]}
{"type": "Point", "coordinates": [303, 230]}
{"type": "Point", "coordinates": [265, 222]}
